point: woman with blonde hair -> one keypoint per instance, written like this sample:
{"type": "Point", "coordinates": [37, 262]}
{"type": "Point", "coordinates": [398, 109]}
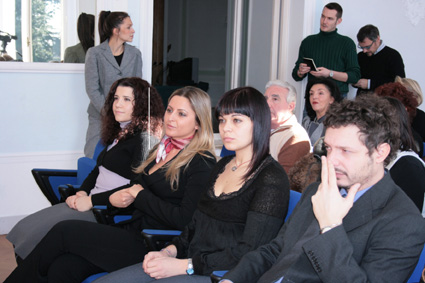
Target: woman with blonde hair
{"type": "Point", "coordinates": [164, 194]}
{"type": "Point", "coordinates": [418, 123]}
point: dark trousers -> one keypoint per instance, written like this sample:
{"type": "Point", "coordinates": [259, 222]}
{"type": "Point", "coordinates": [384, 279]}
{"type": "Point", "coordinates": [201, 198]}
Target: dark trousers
{"type": "Point", "coordinates": [74, 249]}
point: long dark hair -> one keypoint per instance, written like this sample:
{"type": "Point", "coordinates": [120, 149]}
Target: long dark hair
{"type": "Point", "coordinates": [406, 138]}
{"type": "Point", "coordinates": [249, 102]}
{"type": "Point", "coordinates": [331, 87]}
{"type": "Point", "coordinates": [85, 29]}
{"type": "Point", "coordinates": [108, 21]}
{"type": "Point", "coordinates": [139, 122]}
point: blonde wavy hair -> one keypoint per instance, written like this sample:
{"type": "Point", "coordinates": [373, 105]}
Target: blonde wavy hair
{"type": "Point", "coordinates": [202, 142]}
{"type": "Point", "coordinates": [412, 86]}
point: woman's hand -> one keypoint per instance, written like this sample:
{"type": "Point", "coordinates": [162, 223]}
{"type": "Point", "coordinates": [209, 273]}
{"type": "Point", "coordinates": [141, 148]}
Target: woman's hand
{"type": "Point", "coordinates": [122, 198]}
{"type": "Point", "coordinates": [135, 190]}
{"type": "Point", "coordinates": [165, 266]}
{"type": "Point", "coordinates": [81, 194]}
{"type": "Point", "coordinates": [70, 201]}
{"type": "Point", "coordinates": [83, 203]}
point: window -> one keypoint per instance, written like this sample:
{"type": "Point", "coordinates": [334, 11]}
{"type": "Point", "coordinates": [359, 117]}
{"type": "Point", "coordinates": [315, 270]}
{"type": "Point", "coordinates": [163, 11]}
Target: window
{"type": "Point", "coordinates": [31, 30]}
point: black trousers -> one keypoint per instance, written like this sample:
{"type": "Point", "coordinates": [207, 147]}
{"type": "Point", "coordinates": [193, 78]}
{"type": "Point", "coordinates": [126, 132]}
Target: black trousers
{"type": "Point", "coordinates": [75, 249]}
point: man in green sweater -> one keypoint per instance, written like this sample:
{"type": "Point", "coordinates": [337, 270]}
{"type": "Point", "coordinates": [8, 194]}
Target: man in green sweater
{"type": "Point", "coordinates": [334, 54]}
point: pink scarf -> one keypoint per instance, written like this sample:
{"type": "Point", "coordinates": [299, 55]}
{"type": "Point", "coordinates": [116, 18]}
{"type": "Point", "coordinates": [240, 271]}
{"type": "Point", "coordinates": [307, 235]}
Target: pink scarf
{"type": "Point", "coordinates": [167, 144]}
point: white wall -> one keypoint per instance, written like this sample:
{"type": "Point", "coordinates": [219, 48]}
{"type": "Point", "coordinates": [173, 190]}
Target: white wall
{"type": "Point", "coordinates": [43, 125]}
{"type": "Point", "coordinates": [401, 26]}
{"type": "Point", "coordinates": [398, 30]}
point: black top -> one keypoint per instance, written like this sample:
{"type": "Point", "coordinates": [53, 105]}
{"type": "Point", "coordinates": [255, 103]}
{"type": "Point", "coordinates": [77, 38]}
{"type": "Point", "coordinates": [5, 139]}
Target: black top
{"type": "Point", "coordinates": [160, 207]}
{"type": "Point", "coordinates": [226, 227]}
{"type": "Point", "coordinates": [409, 174]}
{"type": "Point", "coordinates": [120, 159]}
{"type": "Point", "coordinates": [418, 123]}
{"type": "Point", "coordinates": [381, 68]}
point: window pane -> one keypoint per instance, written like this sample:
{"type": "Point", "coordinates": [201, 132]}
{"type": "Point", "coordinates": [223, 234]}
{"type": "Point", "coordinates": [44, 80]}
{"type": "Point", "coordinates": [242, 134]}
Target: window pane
{"type": "Point", "coordinates": [46, 23]}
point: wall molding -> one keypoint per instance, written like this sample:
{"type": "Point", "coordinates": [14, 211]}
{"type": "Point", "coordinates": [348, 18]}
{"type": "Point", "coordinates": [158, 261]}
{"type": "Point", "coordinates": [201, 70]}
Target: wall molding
{"type": "Point", "coordinates": [24, 67]}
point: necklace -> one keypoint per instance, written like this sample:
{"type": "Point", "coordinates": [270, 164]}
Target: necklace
{"type": "Point", "coordinates": [234, 168]}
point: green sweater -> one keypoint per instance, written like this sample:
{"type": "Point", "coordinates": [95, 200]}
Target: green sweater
{"type": "Point", "coordinates": [332, 51]}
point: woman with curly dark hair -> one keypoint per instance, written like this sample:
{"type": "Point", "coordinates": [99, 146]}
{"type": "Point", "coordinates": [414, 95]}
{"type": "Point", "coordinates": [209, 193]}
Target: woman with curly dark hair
{"type": "Point", "coordinates": [129, 132]}
{"type": "Point", "coordinates": [398, 91]}
{"type": "Point", "coordinates": [319, 95]}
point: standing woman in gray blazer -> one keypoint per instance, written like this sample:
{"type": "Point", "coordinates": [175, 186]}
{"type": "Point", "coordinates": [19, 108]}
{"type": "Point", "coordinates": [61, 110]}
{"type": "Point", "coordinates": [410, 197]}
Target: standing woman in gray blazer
{"type": "Point", "coordinates": [111, 60]}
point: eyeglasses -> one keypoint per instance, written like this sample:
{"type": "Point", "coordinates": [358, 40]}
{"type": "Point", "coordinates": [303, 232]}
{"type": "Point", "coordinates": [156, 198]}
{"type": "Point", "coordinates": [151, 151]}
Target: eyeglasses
{"type": "Point", "coordinates": [365, 47]}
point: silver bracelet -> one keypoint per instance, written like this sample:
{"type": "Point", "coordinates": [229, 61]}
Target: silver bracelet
{"type": "Point", "coordinates": [330, 227]}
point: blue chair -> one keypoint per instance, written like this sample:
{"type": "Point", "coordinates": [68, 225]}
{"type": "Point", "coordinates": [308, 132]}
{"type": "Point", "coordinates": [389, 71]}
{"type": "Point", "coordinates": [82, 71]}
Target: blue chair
{"type": "Point", "coordinates": [93, 277]}
{"type": "Point", "coordinates": [225, 152]}
{"type": "Point", "coordinates": [417, 273]}
{"type": "Point", "coordinates": [49, 180]}
{"type": "Point", "coordinates": [294, 198]}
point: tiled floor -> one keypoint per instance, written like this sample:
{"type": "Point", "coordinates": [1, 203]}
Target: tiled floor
{"type": "Point", "coordinates": [7, 258]}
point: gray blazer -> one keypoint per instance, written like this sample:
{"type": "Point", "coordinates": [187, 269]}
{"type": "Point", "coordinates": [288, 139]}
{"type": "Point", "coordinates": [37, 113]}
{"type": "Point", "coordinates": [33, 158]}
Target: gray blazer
{"type": "Point", "coordinates": [380, 241]}
{"type": "Point", "coordinates": [101, 71]}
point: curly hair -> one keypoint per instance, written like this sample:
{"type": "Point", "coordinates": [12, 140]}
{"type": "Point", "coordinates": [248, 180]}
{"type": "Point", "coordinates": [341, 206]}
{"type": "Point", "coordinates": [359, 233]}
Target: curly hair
{"type": "Point", "coordinates": [305, 171]}
{"type": "Point", "coordinates": [412, 86]}
{"type": "Point", "coordinates": [374, 116]}
{"type": "Point", "coordinates": [399, 91]}
{"type": "Point", "coordinates": [111, 128]}
{"type": "Point", "coordinates": [330, 85]}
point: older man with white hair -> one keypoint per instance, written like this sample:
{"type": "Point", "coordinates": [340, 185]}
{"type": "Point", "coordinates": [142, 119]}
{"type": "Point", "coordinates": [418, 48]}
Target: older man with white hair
{"type": "Point", "coordinates": [288, 141]}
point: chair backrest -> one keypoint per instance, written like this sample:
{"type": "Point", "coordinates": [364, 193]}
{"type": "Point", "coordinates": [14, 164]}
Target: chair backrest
{"type": "Point", "coordinates": [85, 165]}
{"type": "Point", "coordinates": [417, 273]}
{"type": "Point", "coordinates": [98, 149]}
{"type": "Point", "coordinates": [225, 152]}
{"type": "Point", "coordinates": [294, 198]}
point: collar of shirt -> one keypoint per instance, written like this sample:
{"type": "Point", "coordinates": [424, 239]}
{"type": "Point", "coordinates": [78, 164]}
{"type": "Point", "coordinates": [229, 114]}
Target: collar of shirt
{"type": "Point", "coordinates": [380, 47]}
{"type": "Point", "coordinates": [344, 193]}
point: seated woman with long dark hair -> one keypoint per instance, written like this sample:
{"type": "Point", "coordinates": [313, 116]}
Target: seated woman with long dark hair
{"type": "Point", "coordinates": [407, 169]}
{"type": "Point", "coordinates": [243, 208]}
{"type": "Point", "coordinates": [129, 137]}
{"type": "Point", "coordinates": [319, 95]}
{"type": "Point", "coordinates": [164, 194]}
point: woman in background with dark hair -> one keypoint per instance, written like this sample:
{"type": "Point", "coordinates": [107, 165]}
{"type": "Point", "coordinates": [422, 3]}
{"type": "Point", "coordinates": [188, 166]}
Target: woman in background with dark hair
{"type": "Point", "coordinates": [243, 208]}
{"type": "Point", "coordinates": [85, 30]}
{"type": "Point", "coordinates": [418, 123]}
{"type": "Point", "coordinates": [109, 61]}
{"type": "Point", "coordinates": [126, 130]}
{"type": "Point", "coordinates": [407, 169]}
{"type": "Point", "coordinates": [407, 98]}
{"type": "Point", "coordinates": [319, 95]}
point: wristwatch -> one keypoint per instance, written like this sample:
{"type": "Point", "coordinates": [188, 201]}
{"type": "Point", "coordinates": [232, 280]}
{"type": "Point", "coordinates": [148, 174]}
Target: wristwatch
{"type": "Point", "coordinates": [189, 269]}
{"type": "Point", "coordinates": [331, 74]}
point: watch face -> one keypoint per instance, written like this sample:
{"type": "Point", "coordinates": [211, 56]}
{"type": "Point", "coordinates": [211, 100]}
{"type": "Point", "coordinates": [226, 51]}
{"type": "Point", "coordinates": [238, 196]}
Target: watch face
{"type": "Point", "coordinates": [190, 271]}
